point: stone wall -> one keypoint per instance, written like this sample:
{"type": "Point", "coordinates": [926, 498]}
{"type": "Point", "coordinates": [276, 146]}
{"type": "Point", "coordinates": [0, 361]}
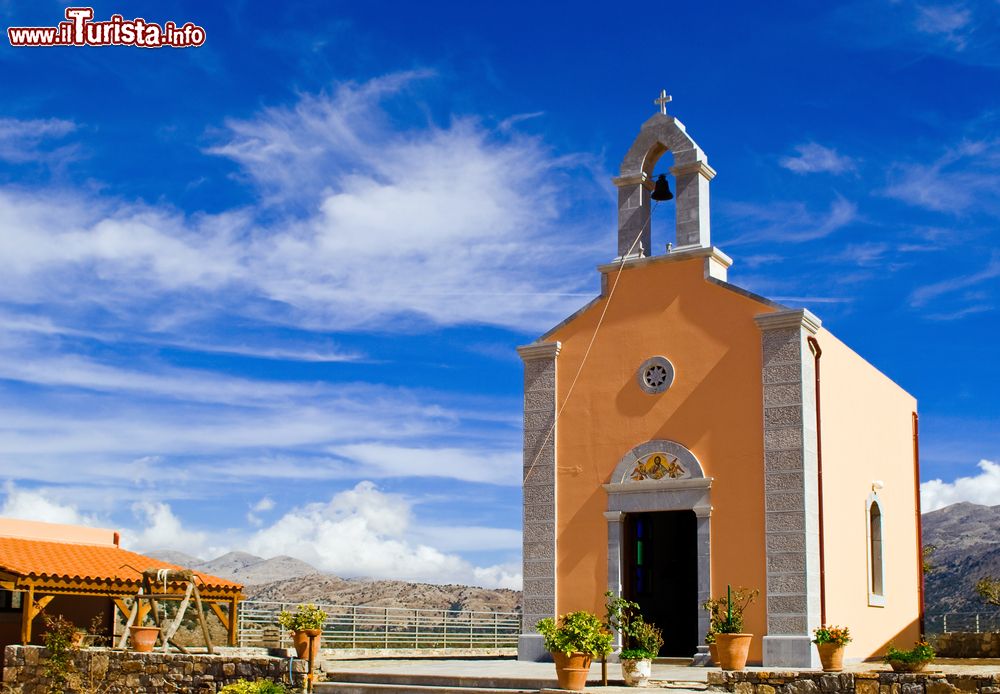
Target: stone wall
{"type": "Point", "coordinates": [967, 645]}
{"type": "Point", "coordinates": [882, 682]}
{"type": "Point", "coordinates": [106, 671]}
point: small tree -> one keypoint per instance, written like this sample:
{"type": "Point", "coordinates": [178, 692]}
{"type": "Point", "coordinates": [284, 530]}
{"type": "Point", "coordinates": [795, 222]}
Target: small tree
{"type": "Point", "coordinates": [928, 554]}
{"type": "Point", "coordinates": [58, 640]}
{"type": "Point", "coordinates": [989, 590]}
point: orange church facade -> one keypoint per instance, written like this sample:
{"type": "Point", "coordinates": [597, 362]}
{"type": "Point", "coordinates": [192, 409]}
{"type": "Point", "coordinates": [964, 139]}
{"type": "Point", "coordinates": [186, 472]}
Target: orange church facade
{"type": "Point", "coordinates": [708, 437]}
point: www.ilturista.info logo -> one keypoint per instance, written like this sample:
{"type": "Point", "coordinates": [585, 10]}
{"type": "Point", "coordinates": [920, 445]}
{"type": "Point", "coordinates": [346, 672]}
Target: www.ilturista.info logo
{"type": "Point", "coordinates": [81, 30]}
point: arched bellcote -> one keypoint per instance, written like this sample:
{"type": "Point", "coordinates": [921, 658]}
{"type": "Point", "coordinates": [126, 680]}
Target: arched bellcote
{"type": "Point", "coordinates": [659, 459]}
{"type": "Point", "coordinates": [661, 134]}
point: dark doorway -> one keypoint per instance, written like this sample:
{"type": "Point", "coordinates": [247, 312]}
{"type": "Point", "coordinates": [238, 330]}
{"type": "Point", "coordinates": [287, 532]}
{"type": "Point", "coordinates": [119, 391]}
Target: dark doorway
{"type": "Point", "coordinates": [660, 567]}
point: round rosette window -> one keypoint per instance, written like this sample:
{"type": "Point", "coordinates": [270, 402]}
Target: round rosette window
{"type": "Point", "coordinates": [656, 375]}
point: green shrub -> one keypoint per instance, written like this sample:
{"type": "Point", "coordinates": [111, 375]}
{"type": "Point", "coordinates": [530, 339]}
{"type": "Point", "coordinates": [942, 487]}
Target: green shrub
{"type": "Point", "coordinates": [920, 653]}
{"type": "Point", "coordinates": [726, 614]}
{"type": "Point", "coordinates": [58, 639]}
{"type": "Point", "coordinates": [258, 687]}
{"type": "Point", "coordinates": [647, 640]}
{"type": "Point", "coordinates": [576, 632]}
{"type": "Point", "coordinates": [640, 639]}
{"type": "Point", "coordinates": [304, 617]}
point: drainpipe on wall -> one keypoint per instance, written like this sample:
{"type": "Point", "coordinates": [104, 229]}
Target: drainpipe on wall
{"type": "Point", "coordinates": [817, 353]}
{"type": "Point", "coordinates": [920, 530]}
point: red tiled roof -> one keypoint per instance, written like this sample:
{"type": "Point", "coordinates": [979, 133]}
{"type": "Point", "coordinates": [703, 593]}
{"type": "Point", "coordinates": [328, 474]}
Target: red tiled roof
{"type": "Point", "coordinates": [41, 559]}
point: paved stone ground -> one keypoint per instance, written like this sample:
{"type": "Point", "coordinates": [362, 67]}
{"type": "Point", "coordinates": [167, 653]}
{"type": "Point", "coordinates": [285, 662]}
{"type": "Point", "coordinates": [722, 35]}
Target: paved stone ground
{"type": "Point", "coordinates": [679, 678]}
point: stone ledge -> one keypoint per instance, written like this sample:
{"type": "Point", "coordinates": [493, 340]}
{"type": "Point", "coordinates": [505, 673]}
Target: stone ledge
{"type": "Point", "coordinates": [868, 682]}
{"type": "Point", "coordinates": [127, 672]}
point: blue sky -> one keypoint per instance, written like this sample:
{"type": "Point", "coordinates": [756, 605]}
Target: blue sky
{"type": "Point", "coordinates": [264, 293]}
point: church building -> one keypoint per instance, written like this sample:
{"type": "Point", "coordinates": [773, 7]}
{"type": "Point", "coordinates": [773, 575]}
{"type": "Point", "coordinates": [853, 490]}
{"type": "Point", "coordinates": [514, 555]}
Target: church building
{"type": "Point", "coordinates": [682, 434]}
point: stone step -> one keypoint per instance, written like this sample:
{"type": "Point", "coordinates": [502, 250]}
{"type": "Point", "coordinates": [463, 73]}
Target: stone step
{"type": "Point", "coordinates": [469, 681]}
{"type": "Point", "coordinates": [402, 688]}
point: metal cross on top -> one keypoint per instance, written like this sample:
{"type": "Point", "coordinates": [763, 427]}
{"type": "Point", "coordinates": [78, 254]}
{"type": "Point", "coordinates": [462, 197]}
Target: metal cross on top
{"type": "Point", "coordinates": [663, 101]}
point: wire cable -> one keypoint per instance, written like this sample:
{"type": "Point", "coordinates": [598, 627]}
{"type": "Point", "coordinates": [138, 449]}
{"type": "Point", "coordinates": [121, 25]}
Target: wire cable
{"type": "Point", "coordinates": [590, 346]}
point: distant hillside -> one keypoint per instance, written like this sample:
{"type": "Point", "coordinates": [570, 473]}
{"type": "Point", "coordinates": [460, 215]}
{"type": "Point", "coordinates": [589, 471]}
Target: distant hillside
{"type": "Point", "coordinates": [330, 589]}
{"type": "Point", "coordinates": [285, 579]}
{"type": "Point", "coordinates": [967, 538]}
{"type": "Point", "coordinates": [242, 567]}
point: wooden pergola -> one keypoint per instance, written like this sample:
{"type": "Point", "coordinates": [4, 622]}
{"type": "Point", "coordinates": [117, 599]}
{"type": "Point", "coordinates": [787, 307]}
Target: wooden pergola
{"type": "Point", "coordinates": [41, 569]}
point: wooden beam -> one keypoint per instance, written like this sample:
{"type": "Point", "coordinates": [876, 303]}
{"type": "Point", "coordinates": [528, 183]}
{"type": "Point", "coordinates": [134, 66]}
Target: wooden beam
{"type": "Point", "coordinates": [220, 614]}
{"type": "Point", "coordinates": [122, 605]}
{"type": "Point", "coordinates": [144, 608]}
{"type": "Point", "coordinates": [30, 609]}
{"type": "Point", "coordinates": [27, 614]}
{"type": "Point", "coordinates": [201, 618]}
{"type": "Point", "coordinates": [233, 620]}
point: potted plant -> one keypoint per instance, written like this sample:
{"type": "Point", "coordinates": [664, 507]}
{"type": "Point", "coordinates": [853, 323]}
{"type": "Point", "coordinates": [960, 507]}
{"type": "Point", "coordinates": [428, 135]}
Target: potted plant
{"type": "Point", "coordinates": [716, 608]}
{"type": "Point", "coordinates": [637, 661]}
{"type": "Point", "coordinates": [306, 625]}
{"type": "Point", "coordinates": [641, 641]}
{"type": "Point", "coordinates": [733, 643]}
{"type": "Point", "coordinates": [713, 647]}
{"type": "Point", "coordinates": [913, 660]}
{"type": "Point", "coordinates": [574, 639]}
{"type": "Point", "coordinates": [143, 638]}
{"type": "Point", "coordinates": [830, 642]}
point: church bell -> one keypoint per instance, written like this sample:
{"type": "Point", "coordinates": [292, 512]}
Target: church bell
{"type": "Point", "coordinates": [661, 191]}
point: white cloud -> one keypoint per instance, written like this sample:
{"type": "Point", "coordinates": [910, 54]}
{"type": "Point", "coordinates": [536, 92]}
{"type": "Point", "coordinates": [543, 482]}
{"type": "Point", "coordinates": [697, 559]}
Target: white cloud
{"type": "Point", "coordinates": [22, 140]}
{"type": "Point", "coordinates": [963, 179]}
{"type": "Point", "coordinates": [787, 222]}
{"type": "Point", "coordinates": [368, 225]}
{"type": "Point", "coordinates": [34, 505]}
{"type": "Point", "coordinates": [365, 532]}
{"type": "Point", "coordinates": [470, 465]}
{"type": "Point", "coordinates": [983, 488]}
{"type": "Point", "coordinates": [930, 292]}
{"type": "Point", "coordinates": [813, 157]}
{"type": "Point", "coordinates": [948, 22]}
{"type": "Point", "coordinates": [864, 254]}
{"type": "Point", "coordinates": [263, 506]}
{"type": "Point", "coordinates": [161, 529]}
{"type": "Point", "coordinates": [359, 532]}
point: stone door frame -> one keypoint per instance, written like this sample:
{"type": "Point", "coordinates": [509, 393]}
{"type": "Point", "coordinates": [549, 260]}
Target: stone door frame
{"type": "Point", "coordinates": [691, 493]}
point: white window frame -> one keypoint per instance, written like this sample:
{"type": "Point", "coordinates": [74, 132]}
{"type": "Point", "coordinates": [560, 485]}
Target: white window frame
{"type": "Point", "coordinates": [876, 560]}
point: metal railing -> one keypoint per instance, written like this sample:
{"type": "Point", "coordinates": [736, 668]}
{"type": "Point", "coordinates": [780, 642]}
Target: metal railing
{"type": "Point", "coordinates": [364, 627]}
{"type": "Point", "coordinates": [974, 622]}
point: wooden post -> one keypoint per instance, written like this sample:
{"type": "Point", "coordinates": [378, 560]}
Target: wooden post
{"type": "Point", "coordinates": [27, 614]}
{"type": "Point", "coordinates": [201, 617]}
{"type": "Point", "coordinates": [234, 611]}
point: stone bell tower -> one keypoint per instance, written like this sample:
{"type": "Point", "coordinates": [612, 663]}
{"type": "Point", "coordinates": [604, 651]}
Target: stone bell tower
{"type": "Point", "coordinates": [661, 134]}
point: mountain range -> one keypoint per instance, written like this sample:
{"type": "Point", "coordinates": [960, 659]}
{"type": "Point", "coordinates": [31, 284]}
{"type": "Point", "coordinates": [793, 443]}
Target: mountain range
{"type": "Point", "coordinates": [286, 579]}
{"type": "Point", "coordinates": [966, 538]}
{"type": "Point", "coordinates": [966, 541]}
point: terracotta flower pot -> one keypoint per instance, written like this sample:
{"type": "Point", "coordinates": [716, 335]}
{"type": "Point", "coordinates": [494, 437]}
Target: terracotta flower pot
{"type": "Point", "coordinates": [900, 666]}
{"type": "Point", "coordinates": [572, 670]}
{"type": "Point", "coordinates": [733, 650]}
{"type": "Point", "coordinates": [636, 673]}
{"type": "Point", "coordinates": [143, 638]}
{"type": "Point", "coordinates": [300, 639]}
{"type": "Point", "coordinates": [713, 652]}
{"type": "Point", "coordinates": [831, 655]}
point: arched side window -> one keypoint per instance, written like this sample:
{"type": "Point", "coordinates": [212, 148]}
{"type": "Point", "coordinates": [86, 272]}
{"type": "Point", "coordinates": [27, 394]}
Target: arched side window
{"type": "Point", "coordinates": [876, 551]}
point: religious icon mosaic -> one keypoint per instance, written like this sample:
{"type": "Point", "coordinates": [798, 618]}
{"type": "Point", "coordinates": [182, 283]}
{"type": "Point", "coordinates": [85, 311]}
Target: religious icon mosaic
{"type": "Point", "coordinates": [657, 466]}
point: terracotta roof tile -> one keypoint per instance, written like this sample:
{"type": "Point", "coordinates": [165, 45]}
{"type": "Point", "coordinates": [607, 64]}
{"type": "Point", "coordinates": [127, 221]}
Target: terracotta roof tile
{"type": "Point", "coordinates": [66, 561]}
